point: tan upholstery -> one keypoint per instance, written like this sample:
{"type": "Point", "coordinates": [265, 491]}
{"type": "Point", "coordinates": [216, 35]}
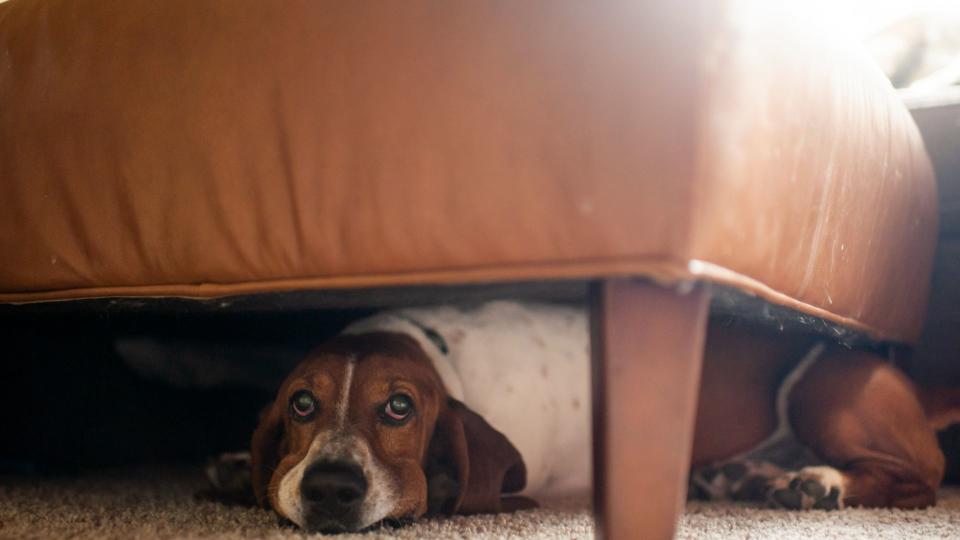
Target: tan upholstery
{"type": "Point", "coordinates": [212, 148]}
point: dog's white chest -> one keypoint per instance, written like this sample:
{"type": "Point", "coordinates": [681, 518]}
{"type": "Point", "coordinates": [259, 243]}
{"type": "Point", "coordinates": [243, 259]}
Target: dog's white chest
{"type": "Point", "coordinates": [523, 367]}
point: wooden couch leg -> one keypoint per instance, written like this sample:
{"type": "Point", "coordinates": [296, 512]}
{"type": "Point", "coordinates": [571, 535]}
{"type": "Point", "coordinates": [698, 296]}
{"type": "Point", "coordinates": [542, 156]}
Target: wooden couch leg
{"type": "Point", "coordinates": [647, 346]}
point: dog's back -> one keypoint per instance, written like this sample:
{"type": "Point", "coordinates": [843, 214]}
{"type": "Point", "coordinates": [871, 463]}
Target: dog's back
{"type": "Point", "coordinates": [525, 368]}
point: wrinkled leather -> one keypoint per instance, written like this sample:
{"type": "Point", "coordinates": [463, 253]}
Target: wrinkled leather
{"type": "Point", "coordinates": [211, 148]}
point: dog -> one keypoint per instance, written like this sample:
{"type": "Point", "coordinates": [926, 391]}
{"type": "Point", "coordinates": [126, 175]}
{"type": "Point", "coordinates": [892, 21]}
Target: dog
{"type": "Point", "coordinates": [392, 419]}
{"type": "Point", "coordinates": [445, 410]}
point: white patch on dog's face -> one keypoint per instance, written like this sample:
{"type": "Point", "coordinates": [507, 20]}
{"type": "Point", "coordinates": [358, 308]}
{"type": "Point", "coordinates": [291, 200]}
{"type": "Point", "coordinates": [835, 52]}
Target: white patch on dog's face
{"type": "Point", "coordinates": [289, 502]}
{"type": "Point", "coordinates": [382, 491]}
{"type": "Point", "coordinates": [344, 403]}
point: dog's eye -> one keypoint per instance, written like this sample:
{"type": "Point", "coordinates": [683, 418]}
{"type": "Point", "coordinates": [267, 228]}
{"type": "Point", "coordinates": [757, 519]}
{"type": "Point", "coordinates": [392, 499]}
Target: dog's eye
{"type": "Point", "coordinates": [398, 408]}
{"type": "Point", "coordinates": [303, 405]}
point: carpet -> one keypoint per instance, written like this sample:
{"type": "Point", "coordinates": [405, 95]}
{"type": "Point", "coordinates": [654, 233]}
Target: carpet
{"type": "Point", "coordinates": [160, 503]}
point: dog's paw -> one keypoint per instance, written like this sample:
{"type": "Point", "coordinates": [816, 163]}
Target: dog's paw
{"type": "Point", "coordinates": [810, 488]}
{"type": "Point", "coordinates": [733, 480]}
{"type": "Point", "coordinates": [229, 478]}
{"type": "Point", "coordinates": [229, 471]}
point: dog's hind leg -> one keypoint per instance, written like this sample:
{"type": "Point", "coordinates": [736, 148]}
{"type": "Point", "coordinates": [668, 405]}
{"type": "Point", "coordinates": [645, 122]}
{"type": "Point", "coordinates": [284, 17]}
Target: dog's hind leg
{"type": "Point", "coordinates": [861, 417]}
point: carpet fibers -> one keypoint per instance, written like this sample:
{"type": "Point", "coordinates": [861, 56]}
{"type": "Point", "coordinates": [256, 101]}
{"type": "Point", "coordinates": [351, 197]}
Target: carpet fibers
{"type": "Point", "coordinates": [160, 503]}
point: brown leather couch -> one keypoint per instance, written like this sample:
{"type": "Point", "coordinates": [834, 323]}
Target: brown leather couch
{"type": "Point", "coordinates": [214, 149]}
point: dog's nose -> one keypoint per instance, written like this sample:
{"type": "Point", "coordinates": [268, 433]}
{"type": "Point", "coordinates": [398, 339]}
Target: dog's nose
{"type": "Point", "coordinates": [333, 488]}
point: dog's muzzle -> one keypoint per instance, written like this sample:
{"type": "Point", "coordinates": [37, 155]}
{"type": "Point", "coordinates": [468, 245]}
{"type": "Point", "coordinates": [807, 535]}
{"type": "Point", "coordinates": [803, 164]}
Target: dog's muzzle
{"type": "Point", "coordinates": [332, 493]}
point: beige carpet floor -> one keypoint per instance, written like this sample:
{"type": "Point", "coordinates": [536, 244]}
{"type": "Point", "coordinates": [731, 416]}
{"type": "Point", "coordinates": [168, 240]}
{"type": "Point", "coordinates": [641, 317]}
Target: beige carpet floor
{"type": "Point", "coordinates": [160, 503]}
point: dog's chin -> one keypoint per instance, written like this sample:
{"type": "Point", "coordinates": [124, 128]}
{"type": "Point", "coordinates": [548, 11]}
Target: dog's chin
{"type": "Point", "coordinates": [393, 522]}
{"type": "Point", "coordinates": [324, 525]}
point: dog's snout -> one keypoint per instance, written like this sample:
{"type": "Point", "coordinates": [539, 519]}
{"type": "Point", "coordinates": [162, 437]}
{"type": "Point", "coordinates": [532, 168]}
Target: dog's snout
{"type": "Point", "coordinates": [334, 488]}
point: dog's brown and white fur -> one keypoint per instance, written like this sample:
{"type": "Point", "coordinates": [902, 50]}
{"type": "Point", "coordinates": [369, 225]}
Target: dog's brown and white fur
{"type": "Point", "coordinates": [498, 400]}
{"type": "Point", "coordinates": [348, 465]}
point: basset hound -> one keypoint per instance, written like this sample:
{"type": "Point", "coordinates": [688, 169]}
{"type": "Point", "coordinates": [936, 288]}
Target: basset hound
{"type": "Point", "coordinates": [467, 410]}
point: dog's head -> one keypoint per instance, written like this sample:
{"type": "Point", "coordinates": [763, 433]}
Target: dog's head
{"type": "Point", "coordinates": [363, 431]}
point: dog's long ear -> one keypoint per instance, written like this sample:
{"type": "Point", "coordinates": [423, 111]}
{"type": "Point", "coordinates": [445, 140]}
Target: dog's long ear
{"type": "Point", "coordinates": [265, 451]}
{"type": "Point", "coordinates": [470, 465]}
